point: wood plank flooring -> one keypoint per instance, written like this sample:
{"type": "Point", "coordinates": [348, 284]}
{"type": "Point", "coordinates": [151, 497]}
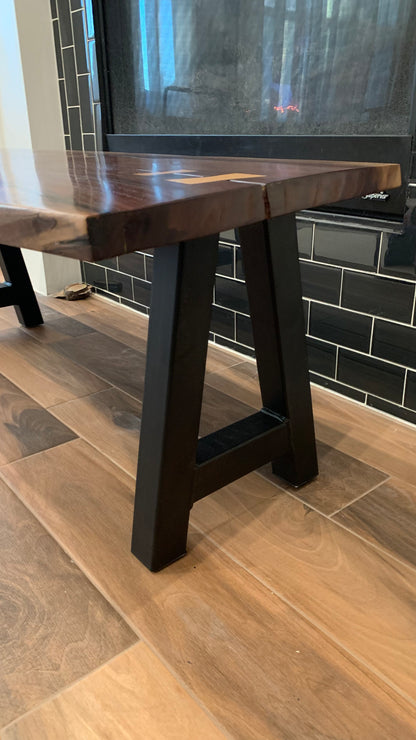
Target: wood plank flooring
{"type": "Point", "coordinates": [132, 696]}
{"type": "Point", "coordinates": [56, 627]}
{"type": "Point", "coordinates": [293, 614]}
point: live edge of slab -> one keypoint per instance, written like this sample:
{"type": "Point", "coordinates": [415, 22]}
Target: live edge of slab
{"type": "Point", "coordinates": [94, 205]}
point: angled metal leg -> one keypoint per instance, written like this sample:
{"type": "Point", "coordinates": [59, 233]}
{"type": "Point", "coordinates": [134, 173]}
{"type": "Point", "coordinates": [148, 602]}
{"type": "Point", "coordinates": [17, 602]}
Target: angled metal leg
{"type": "Point", "coordinates": [180, 312]}
{"type": "Point", "coordinates": [18, 291]}
{"type": "Point", "coordinates": [271, 263]}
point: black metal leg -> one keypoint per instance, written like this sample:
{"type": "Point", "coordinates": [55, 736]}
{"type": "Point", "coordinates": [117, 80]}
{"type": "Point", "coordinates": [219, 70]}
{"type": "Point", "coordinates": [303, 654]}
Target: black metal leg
{"type": "Point", "coordinates": [180, 312]}
{"type": "Point", "coordinates": [19, 292]}
{"type": "Point", "coordinates": [271, 263]}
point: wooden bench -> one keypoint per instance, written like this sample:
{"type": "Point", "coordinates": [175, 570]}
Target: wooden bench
{"type": "Point", "coordinates": [94, 206]}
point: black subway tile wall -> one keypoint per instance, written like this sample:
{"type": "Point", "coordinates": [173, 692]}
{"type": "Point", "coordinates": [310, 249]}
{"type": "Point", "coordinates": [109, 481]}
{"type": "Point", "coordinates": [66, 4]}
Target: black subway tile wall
{"type": "Point", "coordinates": [231, 294]}
{"type": "Point", "coordinates": [142, 292]}
{"type": "Point", "coordinates": [333, 385]}
{"type": "Point", "coordinates": [340, 327]}
{"type": "Point", "coordinates": [392, 299]}
{"type": "Point", "coordinates": [410, 397]}
{"type": "Point", "coordinates": [120, 284]}
{"type": "Point", "coordinates": [305, 234]}
{"type": "Point", "coordinates": [321, 283]}
{"type": "Point", "coordinates": [132, 264]}
{"type": "Point", "coordinates": [244, 330]}
{"type": "Point", "coordinates": [225, 264]}
{"type": "Point", "coordinates": [395, 343]}
{"type": "Point", "coordinates": [223, 322]}
{"type": "Point", "coordinates": [76, 67]}
{"type": "Point", "coordinates": [358, 275]}
{"type": "Point", "coordinates": [350, 247]}
{"type": "Point", "coordinates": [370, 375]}
{"type": "Point", "coordinates": [321, 356]}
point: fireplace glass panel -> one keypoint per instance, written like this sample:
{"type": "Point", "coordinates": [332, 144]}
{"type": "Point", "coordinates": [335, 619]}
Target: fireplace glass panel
{"type": "Point", "coordinates": [261, 66]}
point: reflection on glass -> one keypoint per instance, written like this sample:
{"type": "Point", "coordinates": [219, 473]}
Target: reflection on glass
{"type": "Point", "coordinates": [261, 66]}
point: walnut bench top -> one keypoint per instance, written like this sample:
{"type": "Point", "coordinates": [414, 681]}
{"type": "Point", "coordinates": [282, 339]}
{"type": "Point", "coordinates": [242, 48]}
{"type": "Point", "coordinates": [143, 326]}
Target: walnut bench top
{"type": "Point", "coordinates": [91, 206]}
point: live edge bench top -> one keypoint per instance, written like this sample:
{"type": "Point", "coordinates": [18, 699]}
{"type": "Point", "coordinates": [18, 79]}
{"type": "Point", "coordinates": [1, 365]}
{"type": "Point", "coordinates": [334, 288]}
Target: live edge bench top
{"type": "Point", "coordinates": [91, 205]}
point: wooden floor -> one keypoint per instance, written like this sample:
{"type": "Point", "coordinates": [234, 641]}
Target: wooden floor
{"type": "Point", "coordinates": [293, 616]}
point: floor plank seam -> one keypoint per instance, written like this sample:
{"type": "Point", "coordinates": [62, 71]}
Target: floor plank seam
{"type": "Point", "coordinates": [66, 688]}
{"type": "Point", "coordinates": [348, 653]}
{"type": "Point", "coordinates": [357, 498]}
{"type": "Point", "coordinates": [374, 545]}
{"type": "Point", "coordinates": [120, 612]}
{"type": "Point", "coordinates": [39, 452]}
{"type": "Point", "coordinates": [27, 392]}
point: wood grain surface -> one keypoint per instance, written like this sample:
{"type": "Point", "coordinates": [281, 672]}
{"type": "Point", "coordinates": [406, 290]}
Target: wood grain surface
{"type": "Point", "coordinates": [133, 696]}
{"type": "Point", "coordinates": [43, 373]}
{"type": "Point", "coordinates": [110, 421]}
{"type": "Point", "coordinates": [57, 329]}
{"type": "Point", "coordinates": [92, 205]}
{"type": "Point", "coordinates": [387, 518]}
{"type": "Point", "coordinates": [239, 381]}
{"type": "Point", "coordinates": [56, 627]}
{"type": "Point", "coordinates": [378, 440]}
{"type": "Point", "coordinates": [361, 597]}
{"type": "Point", "coordinates": [26, 427]}
{"type": "Point", "coordinates": [113, 361]}
{"type": "Point", "coordinates": [258, 665]}
{"type": "Point", "coordinates": [124, 326]}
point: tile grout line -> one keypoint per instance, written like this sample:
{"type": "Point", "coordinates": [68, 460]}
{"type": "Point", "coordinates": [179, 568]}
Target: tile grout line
{"type": "Point", "coordinates": [65, 103]}
{"type": "Point", "coordinates": [70, 686]}
{"type": "Point", "coordinates": [357, 498]}
{"type": "Point", "coordinates": [404, 387]}
{"type": "Point", "coordinates": [86, 572]}
{"type": "Point", "coordinates": [365, 271]}
{"type": "Point", "coordinates": [344, 309]}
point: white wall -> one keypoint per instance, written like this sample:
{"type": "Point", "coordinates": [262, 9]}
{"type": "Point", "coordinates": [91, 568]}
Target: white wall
{"type": "Point", "coordinates": [30, 113]}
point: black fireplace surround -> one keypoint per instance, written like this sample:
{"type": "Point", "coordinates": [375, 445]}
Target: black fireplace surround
{"type": "Point", "coordinates": [308, 79]}
{"type": "Point", "coordinates": [330, 79]}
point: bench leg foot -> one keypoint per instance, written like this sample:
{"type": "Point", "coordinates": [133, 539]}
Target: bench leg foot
{"type": "Point", "coordinates": [183, 281]}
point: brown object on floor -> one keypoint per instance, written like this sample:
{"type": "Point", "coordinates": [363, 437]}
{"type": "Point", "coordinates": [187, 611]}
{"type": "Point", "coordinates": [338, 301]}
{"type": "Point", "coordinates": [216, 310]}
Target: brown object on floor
{"type": "Point", "coordinates": [75, 292]}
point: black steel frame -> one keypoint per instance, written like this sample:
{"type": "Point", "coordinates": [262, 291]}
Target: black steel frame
{"type": "Point", "coordinates": [175, 469]}
{"type": "Point", "coordinates": [17, 291]}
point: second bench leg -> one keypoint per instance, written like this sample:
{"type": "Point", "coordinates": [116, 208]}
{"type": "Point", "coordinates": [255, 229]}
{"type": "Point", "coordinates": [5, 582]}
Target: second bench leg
{"type": "Point", "coordinates": [270, 257]}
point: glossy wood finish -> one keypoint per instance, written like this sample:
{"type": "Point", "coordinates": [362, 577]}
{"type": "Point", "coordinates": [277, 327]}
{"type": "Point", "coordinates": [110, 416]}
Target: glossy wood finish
{"type": "Point", "coordinates": [260, 667]}
{"type": "Point", "coordinates": [133, 696]}
{"type": "Point", "coordinates": [56, 627]}
{"type": "Point", "coordinates": [91, 205]}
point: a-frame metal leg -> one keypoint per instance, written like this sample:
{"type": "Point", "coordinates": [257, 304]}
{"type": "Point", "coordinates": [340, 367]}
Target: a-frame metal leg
{"type": "Point", "coordinates": [270, 258]}
{"type": "Point", "coordinates": [19, 293]}
{"type": "Point", "coordinates": [180, 313]}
